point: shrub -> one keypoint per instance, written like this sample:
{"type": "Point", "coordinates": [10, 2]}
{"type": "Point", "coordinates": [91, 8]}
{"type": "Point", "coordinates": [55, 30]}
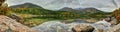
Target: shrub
{"type": "Point", "coordinates": [5, 11]}
{"type": "Point", "coordinates": [116, 14]}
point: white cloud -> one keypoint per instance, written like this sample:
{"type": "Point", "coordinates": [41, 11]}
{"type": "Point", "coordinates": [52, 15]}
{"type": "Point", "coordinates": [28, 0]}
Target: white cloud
{"type": "Point", "coordinates": [104, 5]}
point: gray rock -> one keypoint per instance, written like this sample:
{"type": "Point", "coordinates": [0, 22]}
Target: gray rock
{"type": "Point", "coordinates": [57, 26]}
{"type": "Point", "coordinates": [52, 26]}
{"type": "Point", "coordinates": [116, 28]}
{"type": "Point", "coordinates": [9, 25]}
{"type": "Point", "coordinates": [84, 27]}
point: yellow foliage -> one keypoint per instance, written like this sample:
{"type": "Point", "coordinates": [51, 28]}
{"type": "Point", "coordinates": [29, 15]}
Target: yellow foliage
{"type": "Point", "coordinates": [34, 22]}
{"type": "Point", "coordinates": [116, 14]}
{"type": "Point", "coordinates": [25, 15]}
{"type": "Point", "coordinates": [5, 11]}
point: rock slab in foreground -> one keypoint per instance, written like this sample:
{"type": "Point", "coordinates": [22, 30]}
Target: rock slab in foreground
{"type": "Point", "coordinates": [9, 25]}
{"type": "Point", "coordinates": [52, 26]}
{"type": "Point", "coordinates": [114, 29]}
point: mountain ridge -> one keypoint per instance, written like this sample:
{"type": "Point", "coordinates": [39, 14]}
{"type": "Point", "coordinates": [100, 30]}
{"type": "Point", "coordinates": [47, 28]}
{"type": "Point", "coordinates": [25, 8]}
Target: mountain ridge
{"type": "Point", "coordinates": [26, 5]}
{"type": "Point", "coordinates": [82, 10]}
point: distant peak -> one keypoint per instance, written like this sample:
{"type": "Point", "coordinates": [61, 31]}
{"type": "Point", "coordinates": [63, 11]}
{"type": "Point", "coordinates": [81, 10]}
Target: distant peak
{"type": "Point", "coordinates": [27, 5]}
{"type": "Point", "coordinates": [66, 9]}
{"type": "Point", "coordinates": [90, 8]}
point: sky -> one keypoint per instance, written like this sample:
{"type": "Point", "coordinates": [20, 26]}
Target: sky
{"type": "Point", "coordinates": [103, 5]}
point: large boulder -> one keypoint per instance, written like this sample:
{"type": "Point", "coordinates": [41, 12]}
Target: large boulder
{"type": "Point", "coordinates": [116, 28]}
{"type": "Point", "coordinates": [9, 25]}
{"type": "Point", "coordinates": [52, 26]}
{"type": "Point", "coordinates": [83, 28]}
{"type": "Point", "coordinates": [57, 26]}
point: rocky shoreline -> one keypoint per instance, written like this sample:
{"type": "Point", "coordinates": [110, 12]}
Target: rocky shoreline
{"type": "Point", "coordinates": [9, 25]}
